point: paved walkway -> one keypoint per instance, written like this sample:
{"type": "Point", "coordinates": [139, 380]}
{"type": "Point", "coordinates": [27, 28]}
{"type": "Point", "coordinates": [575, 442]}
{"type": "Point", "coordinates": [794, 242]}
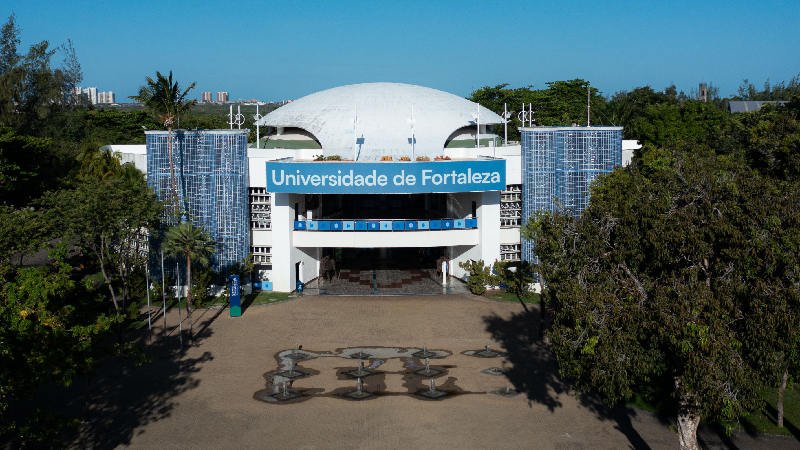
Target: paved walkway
{"type": "Point", "coordinates": [205, 397]}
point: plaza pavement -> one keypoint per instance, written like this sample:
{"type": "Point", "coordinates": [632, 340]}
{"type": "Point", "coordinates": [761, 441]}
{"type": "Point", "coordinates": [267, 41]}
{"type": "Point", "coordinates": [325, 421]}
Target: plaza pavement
{"type": "Point", "coordinates": [204, 397]}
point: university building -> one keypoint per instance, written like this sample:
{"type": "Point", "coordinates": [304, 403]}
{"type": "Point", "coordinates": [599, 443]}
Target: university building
{"type": "Point", "coordinates": [390, 183]}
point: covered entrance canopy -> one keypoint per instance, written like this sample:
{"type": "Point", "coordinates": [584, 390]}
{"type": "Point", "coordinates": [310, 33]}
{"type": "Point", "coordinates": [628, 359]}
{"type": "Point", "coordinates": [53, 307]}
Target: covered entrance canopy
{"type": "Point", "coordinates": [381, 271]}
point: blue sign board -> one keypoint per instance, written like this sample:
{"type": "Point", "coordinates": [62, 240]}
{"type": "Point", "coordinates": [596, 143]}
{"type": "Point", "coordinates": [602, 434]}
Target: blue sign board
{"type": "Point", "coordinates": [385, 177]}
{"type": "Point", "coordinates": [236, 296]}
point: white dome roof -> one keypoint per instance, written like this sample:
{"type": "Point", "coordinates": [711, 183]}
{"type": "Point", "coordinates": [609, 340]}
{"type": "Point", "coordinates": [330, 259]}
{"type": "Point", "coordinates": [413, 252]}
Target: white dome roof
{"type": "Point", "coordinates": [383, 110]}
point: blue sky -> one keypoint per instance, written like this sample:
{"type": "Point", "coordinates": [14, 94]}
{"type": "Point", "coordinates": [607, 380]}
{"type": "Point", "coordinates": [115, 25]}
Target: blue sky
{"type": "Point", "coordinates": [275, 50]}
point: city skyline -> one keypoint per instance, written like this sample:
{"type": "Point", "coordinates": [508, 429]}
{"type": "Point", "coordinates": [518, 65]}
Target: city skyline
{"type": "Point", "coordinates": [454, 47]}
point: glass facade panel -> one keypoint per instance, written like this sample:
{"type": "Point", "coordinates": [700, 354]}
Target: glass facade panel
{"type": "Point", "coordinates": [560, 163]}
{"type": "Point", "coordinates": [211, 173]}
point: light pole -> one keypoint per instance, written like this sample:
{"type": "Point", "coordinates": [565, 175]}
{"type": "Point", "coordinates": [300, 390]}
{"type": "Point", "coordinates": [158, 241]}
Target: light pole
{"type": "Point", "coordinates": [477, 117]}
{"type": "Point", "coordinates": [149, 315]}
{"type": "Point", "coordinates": [410, 121]}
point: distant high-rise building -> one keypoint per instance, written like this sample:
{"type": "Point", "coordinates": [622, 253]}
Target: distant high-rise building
{"type": "Point", "coordinates": [90, 94]}
{"type": "Point", "coordinates": [206, 96]}
{"type": "Point", "coordinates": [222, 96]}
{"type": "Point", "coordinates": [703, 94]}
{"type": "Point", "coordinates": [106, 97]}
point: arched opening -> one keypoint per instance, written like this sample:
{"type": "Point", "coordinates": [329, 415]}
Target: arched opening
{"type": "Point", "coordinates": [290, 138]}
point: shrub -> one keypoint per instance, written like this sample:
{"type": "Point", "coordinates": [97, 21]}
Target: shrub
{"type": "Point", "coordinates": [386, 158]}
{"type": "Point", "coordinates": [423, 158]}
{"type": "Point", "coordinates": [480, 276]}
{"type": "Point", "coordinates": [405, 158]}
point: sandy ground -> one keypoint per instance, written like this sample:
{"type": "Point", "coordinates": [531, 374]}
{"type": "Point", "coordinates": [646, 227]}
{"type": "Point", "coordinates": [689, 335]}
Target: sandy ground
{"type": "Point", "coordinates": [204, 397]}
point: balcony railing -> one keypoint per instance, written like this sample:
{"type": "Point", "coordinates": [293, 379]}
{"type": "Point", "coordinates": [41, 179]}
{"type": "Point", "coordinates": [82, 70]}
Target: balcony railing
{"type": "Point", "coordinates": [385, 225]}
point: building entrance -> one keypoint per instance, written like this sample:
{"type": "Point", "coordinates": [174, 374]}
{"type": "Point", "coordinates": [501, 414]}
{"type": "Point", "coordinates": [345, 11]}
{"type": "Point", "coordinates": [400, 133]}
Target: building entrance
{"type": "Point", "coordinates": [371, 271]}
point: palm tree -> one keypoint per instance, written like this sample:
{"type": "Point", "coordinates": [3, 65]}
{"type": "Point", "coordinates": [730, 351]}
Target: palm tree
{"type": "Point", "coordinates": [166, 101]}
{"type": "Point", "coordinates": [195, 245]}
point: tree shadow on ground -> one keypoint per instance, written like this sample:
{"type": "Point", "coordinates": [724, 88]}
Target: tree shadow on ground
{"type": "Point", "coordinates": [124, 398]}
{"type": "Point", "coordinates": [534, 372]}
{"type": "Point", "coordinates": [127, 399]}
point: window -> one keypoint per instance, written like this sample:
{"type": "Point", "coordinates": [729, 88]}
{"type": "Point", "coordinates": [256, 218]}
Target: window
{"type": "Point", "coordinates": [511, 206]}
{"type": "Point", "coordinates": [260, 209]}
{"type": "Point", "coordinates": [261, 255]}
{"type": "Point", "coordinates": [510, 252]}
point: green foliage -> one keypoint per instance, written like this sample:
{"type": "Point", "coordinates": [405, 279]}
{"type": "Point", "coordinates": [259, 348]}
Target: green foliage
{"type": "Point", "coordinates": [770, 92]}
{"type": "Point", "coordinates": [562, 103]}
{"type": "Point", "coordinates": [658, 277]}
{"type": "Point", "coordinates": [163, 98]}
{"type": "Point", "coordinates": [479, 277]}
{"type": "Point", "coordinates": [106, 218]}
{"type": "Point", "coordinates": [665, 123]}
{"type": "Point", "coordinates": [517, 281]}
{"type": "Point", "coordinates": [24, 167]}
{"type": "Point", "coordinates": [202, 281]}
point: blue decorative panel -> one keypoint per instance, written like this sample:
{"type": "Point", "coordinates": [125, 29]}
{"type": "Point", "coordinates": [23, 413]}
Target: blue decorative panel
{"type": "Point", "coordinates": [398, 225]}
{"type": "Point", "coordinates": [361, 225]}
{"type": "Point", "coordinates": [559, 165]}
{"type": "Point", "coordinates": [299, 224]}
{"type": "Point", "coordinates": [423, 224]}
{"type": "Point", "coordinates": [386, 225]}
{"type": "Point", "coordinates": [459, 223]}
{"type": "Point", "coordinates": [435, 224]}
{"type": "Point", "coordinates": [411, 225]}
{"type": "Point", "coordinates": [348, 225]}
{"type": "Point", "coordinates": [211, 171]}
{"type": "Point", "coordinates": [324, 225]}
{"type": "Point", "coordinates": [374, 225]}
{"type": "Point", "coordinates": [471, 223]}
{"type": "Point", "coordinates": [336, 225]}
{"type": "Point", "coordinates": [312, 225]}
{"type": "Point", "coordinates": [447, 224]}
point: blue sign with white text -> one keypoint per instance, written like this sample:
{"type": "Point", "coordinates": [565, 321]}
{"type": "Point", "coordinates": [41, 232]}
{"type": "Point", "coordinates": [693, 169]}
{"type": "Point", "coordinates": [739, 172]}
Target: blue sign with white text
{"type": "Point", "coordinates": [385, 177]}
{"type": "Point", "coordinates": [235, 296]}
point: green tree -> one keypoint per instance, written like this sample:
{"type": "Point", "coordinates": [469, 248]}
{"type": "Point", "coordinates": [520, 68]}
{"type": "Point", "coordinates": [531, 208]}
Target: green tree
{"type": "Point", "coordinates": [649, 282]}
{"type": "Point", "coordinates": [480, 276]}
{"type": "Point", "coordinates": [24, 167]}
{"type": "Point", "coordinates": [164, 98]}
{"type": "Point", "coordinates": [195, 245]}
{"type": "Point", "coordinates": [516, 281]}
{"type": "Point", "coordinates": [108, 219]}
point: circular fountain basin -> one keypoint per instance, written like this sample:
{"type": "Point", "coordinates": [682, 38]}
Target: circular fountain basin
{"type": "Point", "coordinates": [496, 371]}
{"type": "Point", "coordinates": [355, 395]}
{"type": "Point", "coordinates": [355, 373]}
{"type": "Point", "coordinates": [430, 373]}
{"type": "Point", "coordinates": [505, 392]}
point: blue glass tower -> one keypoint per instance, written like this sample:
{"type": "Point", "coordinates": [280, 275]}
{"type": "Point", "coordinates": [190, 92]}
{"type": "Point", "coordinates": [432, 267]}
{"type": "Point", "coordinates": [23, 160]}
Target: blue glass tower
{"type": "Point", "coordinates": [560, 163]}
{"type": "Point", "coordinates": [211, 172]}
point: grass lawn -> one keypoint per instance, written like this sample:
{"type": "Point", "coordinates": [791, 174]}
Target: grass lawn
{"type": "Point", "coordinates": [507, 297]}
{"type": "Point", "coordinates": [262, 298]}
{"type": "Point", "coordinates": [765, 422]}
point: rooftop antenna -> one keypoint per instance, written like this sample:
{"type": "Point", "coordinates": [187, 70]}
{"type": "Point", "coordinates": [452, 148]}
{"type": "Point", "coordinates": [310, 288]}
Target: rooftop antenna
{"type": "Point", "coordinates": [588, 106]}
{"type": "Point", "coordinates": [410, 121]}
{"type": "Point", "coordinates": [355, 134]}
{"type": "Point", "coordinates": [237, 119]}
{"type": "Point", "coordinates": [506, 116]}
{"type": "Point", "coordinates": [256, 118]}
{"type": "Point", "coordinates": [530, 114]}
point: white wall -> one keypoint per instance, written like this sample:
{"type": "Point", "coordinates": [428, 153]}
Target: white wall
{"type": "Point", "coordinates": [489, 226]}
{"type": "Point", "coordinates": [261, 238]}
{"type": "Point", "coordinates": [283, 276]}
{"type": "Point", "coordinates": [509, 236]}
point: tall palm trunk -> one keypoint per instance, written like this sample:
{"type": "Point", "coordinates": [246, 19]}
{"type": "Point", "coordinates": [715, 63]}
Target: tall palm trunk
{"type": "Point", "coordinates": [189, 294]}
